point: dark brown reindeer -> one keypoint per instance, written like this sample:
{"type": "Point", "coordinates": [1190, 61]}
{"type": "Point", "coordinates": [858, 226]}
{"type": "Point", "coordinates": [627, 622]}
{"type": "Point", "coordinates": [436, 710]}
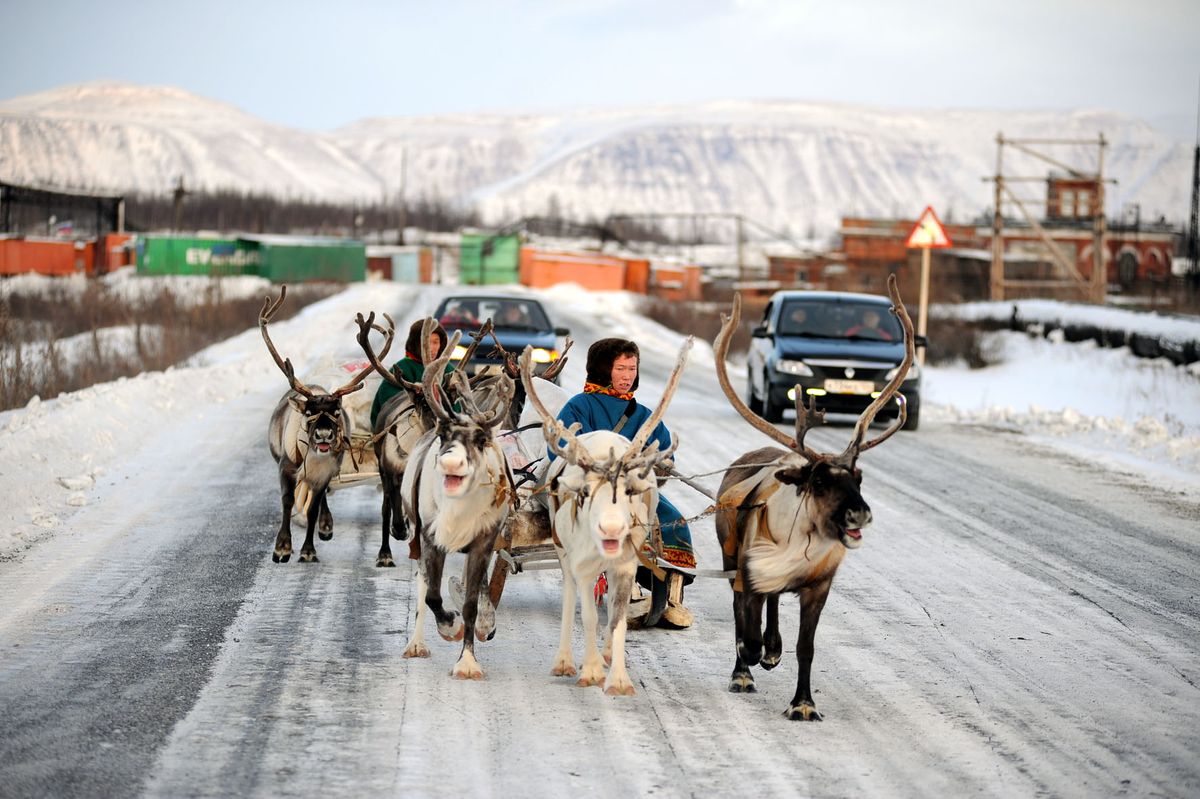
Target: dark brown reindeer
{"type": "Point", "coordinates": [307, 434]}
{"type": "Point", "coordinates": [401, 422]}
{"type": "Point", "coordinates": [787, 519]}
{"type": "Point", "coordinates": [457, 492]}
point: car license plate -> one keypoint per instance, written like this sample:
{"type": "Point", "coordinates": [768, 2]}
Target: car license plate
{"type": "Point", "coordinates": [849, 386]}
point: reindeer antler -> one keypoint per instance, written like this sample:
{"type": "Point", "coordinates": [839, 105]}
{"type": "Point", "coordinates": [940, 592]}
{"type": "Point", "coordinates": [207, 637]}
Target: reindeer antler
{"type": "Point", "coordinates": [855, 447]}
{"type": "Point", "coordinates": [365, 326]}
{"type": "Point", "coordinates": [264, 317]}
{"type": "Point", "coordinates": [556, 368]}
{"type": "Point", "coordinates": [720, 353]}
{"type": "Point", "coordinates": [554, 430]}
{"type": "Point", "coordinates": [643, 433]}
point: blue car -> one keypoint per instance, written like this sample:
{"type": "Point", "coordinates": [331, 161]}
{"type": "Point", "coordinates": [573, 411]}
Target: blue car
{"type": "Point", "coordinates": [838, 348]}
{"type": "Point", "coordinates": [518, 321]}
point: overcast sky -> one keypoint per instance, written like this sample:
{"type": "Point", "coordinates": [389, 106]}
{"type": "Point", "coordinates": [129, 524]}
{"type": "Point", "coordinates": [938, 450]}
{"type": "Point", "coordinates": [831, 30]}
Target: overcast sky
{"type": "Point", "coordinates": [322, 65]}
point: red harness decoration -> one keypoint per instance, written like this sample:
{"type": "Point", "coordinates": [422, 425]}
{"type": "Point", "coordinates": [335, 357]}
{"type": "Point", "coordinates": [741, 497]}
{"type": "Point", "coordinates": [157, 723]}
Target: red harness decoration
{"type": "Point", "coordinates": [600, 589]}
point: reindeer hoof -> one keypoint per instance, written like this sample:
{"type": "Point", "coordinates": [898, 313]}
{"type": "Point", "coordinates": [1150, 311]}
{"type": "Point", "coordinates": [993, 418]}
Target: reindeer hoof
{"type": "Point", "coordinates": [453, 631]}
{"type": "Point", "coordinates": [620, 689]}
{"type": "Point", "coordinates": [564, 670]}
{"type": "Point", "coordinates": [416, 651]}
{"type": "Point", "coordinates": [309, 557]}
{"type": "Point", "coordinates": [770, 661]}
{"type": "Point", "coordinates": [384, 560]}
{"type": "Point", "coordinates": [802, 712]}
{"type": "Point", "coordinates": [742, 684]}
{"type": "Point", "coordinates": [281, 558]}
{"type": "Point", "coordinates": [587, 681]}
{"type": "Point", "coordinates": [325, 536]}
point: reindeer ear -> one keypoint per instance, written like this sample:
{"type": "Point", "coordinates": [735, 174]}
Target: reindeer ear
{"type": "Point", "coordinates": [795, 477]}
{"type": "Point", "coordinates": [299, 403]}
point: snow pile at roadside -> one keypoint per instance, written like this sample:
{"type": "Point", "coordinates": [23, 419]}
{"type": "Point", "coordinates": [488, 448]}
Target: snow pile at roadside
{"type": "Point", "coordinates": [1106, 401]}
{"type": "Point", "coordinates": [55, 450]}
{"type": "Point", "coordinates": [1058, 314]}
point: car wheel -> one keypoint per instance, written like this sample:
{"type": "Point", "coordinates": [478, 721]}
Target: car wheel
{"type": "Point", "coordinates": [770, 411]}
{"type": "Point", "coordinates": [914, 418]}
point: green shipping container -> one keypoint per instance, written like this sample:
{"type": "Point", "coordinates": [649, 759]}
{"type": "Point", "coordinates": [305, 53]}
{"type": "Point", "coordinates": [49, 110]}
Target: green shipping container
{"type": "Point", "coordinates": [163, 255]}
{"type": "Point", "coordinates": [488, 260]}
{"type": "Point", "coordinates": [293, 261]}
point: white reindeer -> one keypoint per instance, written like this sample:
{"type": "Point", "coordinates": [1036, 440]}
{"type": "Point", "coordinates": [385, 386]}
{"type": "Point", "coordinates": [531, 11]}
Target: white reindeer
{"type": "Point", "coordinates": [602, 496]}
{"type": "Point", "coordinates": [457, 492]}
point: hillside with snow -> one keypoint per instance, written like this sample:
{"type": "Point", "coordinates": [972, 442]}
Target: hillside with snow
{"type": "Point", "coordinates": [792, 165]}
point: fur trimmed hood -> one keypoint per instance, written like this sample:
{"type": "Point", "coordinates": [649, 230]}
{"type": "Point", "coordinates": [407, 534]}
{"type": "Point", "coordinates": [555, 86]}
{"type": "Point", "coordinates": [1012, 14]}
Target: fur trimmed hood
{"type": "Point", "coordinates": [600, 359]}
{"type": "Point", "coordinates": [413, 343]}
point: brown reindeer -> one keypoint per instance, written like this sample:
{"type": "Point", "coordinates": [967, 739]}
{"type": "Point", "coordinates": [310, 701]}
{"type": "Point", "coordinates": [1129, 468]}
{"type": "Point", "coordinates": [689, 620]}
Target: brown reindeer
{"type": "Point", "coordinates": [307, 434]}
{"type": "Point", "coordinates": [788, 517]}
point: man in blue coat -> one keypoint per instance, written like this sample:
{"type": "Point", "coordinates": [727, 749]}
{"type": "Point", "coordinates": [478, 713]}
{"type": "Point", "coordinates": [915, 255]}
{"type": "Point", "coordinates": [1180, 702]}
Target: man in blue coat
{"type": "Point", "coordinates": [607, 403]}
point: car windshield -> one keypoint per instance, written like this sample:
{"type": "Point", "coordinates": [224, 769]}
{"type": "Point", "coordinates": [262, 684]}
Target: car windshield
{"type": "Point", "coordinates": [510, 314]}
{"type": "Point", "coordinates": [857, 320]}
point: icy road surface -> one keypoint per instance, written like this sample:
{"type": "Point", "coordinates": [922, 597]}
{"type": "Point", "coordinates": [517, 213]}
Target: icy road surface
{"type": "Point", "coordinates": [1017, 623]}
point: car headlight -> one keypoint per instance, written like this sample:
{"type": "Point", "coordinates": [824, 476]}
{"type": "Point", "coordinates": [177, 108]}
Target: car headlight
{"type": "Point", "coordinates": [541, 355]}
{"type": "Point", "coordinates": [793, 368]}
{"type": "Point", "coordinates": [914, 372]}
{"type": "Point", "coordinates": [459, 353]}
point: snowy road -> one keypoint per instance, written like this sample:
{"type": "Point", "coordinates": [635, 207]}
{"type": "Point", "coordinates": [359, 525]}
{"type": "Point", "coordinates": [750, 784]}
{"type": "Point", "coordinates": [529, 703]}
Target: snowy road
{"type": "Point", "coordinates": [1017, 622]}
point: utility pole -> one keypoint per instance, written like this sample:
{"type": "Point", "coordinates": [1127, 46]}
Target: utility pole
{"type": "Point", "coordinates": [179, 193]}
{"type": "Point", "coordinates": [1100, 226]}
{"type": "Point", "coordinates": [403, 219]}
{"type": "Point", "coordinates": [741, 261]}
{"type": "Point", "coordinates": [997, 273]}
{"type": "Point", "coordinates": [1193, 245]}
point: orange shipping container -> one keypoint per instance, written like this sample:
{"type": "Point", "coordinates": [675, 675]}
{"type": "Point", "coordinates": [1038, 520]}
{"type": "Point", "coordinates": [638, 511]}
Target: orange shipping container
{"type": "Point", "coordinates": [18, 256]}
{"type": "Point", "coordinates": [591, 271]}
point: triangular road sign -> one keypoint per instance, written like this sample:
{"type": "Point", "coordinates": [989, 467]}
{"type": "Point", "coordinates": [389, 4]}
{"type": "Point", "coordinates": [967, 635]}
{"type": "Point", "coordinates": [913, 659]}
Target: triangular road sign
{"type": "Point", "coordinates": [928, 233]}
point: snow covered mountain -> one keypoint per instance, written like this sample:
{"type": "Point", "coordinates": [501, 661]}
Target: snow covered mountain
{"type": "Point", "coordinates": [788, 164]}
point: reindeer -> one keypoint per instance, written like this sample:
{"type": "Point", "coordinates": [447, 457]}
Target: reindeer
{"type": "Point", "coordinates": [787, 517]}
{"type": "Point", "coordinates": [602, 497]}
{"type": "Point", "coordinates": [401, 422]}
{"type": "Point", "coordinates": [457, 492]}
{"type": "Point", "coordinates": [307, 434]}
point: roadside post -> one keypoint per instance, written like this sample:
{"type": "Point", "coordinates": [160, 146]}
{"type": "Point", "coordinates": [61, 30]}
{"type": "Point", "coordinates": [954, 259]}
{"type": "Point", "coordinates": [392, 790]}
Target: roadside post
{"type": "Point", "coordinates": [926, 235]}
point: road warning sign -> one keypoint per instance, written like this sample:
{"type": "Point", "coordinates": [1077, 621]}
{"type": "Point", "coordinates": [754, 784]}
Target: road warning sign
{"type": "Point", "coordinates": [928, 233]}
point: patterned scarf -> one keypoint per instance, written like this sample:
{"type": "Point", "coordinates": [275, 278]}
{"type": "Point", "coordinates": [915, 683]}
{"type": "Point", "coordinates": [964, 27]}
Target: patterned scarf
{"type": "Point", "coordinates": [608, 391]}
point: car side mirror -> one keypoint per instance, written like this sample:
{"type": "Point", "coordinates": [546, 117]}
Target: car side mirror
{"type": "Point", "coordinates": [759, 332]}
{"type": "Point", "coordinates": [920, 341]}
{"type": "Point", "coordinates": [562, 331]}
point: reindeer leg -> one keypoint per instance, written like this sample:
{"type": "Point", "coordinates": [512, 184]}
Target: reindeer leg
{"type": "Point", "coordinates": [308, 552]}
{"type": "Point", "coordinates": [742, 681]}
{"type": "Point", "coordinates": [812, 602]}
{"type": "Point", "coordinates": [772, 639]}
{"type": "Point", "coordinates": [564, 661]}
{"type": "Point", "coordinates": [467, 667]}
{"type": "Point", "coordinates": [750, 645]}
{"type": "Point", "coordinates": [325, 520]}
{"type": "Point", "coordinates": [619, 589]}
{"type": "Point", "coordinates": [283, 541]}
{"type": "Point", "coordinates": [449, 623]}
{"type": "Point", "coordinates": [416, 642]}
{"type": "Point", "coordinates": [592, 670]}
{"type": "Point", "coordinates": [384, 558]}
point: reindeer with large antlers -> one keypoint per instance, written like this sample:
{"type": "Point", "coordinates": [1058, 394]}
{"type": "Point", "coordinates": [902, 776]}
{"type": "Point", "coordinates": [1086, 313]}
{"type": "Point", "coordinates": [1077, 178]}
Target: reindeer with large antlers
{"type": "Point", "coordinates": [602, 498]}
{"type": "Point", "coordinates": [401, 422]}
{"type": "Point", "coordinates": [788, 517]}
{"type": "Point", "coordinates": [307, 434]}
{"type": "Point", "coordinates": [457, 492]}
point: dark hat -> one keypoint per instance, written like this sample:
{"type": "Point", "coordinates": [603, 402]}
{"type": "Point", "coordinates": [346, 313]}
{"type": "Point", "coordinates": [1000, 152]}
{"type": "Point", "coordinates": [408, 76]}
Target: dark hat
{"type": "Point", "coordinates": [413, 344]}
{"type": "Point", "coordinates": [600, 359]}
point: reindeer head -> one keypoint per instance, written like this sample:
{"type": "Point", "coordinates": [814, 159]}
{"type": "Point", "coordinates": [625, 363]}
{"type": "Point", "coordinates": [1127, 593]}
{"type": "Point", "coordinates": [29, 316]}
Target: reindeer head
{"type": "Point", "coordinates": [466, 437]}
{"type": "Point", "coordinates": [825, 485]}
{"type": "Point", "coordinates": [325, 422]}
{"type": "Point", "coordinates": [609, 479]}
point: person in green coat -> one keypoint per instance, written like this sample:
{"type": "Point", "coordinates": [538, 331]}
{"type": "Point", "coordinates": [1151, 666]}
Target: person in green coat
{"type": "Point", "coordinates": [410, 367]}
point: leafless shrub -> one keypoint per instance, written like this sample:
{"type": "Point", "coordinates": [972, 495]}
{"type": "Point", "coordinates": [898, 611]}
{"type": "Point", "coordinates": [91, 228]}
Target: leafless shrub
{"type": "Point", "coordinates": [166, 331]}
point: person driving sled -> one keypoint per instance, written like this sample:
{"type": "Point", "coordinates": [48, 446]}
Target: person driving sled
{"type": "Point", "coordinates": [607, 403]}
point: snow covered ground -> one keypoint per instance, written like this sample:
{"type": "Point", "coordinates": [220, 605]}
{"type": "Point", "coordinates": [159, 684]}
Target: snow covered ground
{"type": "Point", "coordinates": [1021, 620]}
